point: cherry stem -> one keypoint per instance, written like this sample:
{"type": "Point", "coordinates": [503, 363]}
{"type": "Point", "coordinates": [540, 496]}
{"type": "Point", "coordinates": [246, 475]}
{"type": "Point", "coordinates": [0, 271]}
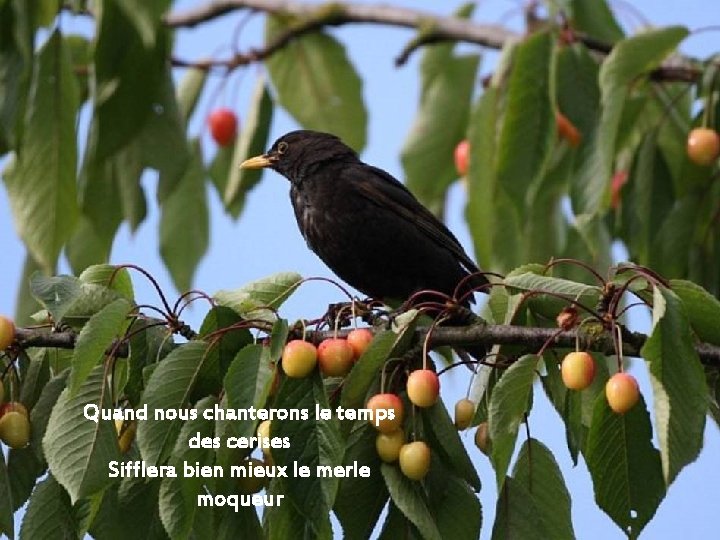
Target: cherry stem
{"type": "Point", "coordinates": [150, 278]}
{"type": "Point", "coordinates": [576, 262]}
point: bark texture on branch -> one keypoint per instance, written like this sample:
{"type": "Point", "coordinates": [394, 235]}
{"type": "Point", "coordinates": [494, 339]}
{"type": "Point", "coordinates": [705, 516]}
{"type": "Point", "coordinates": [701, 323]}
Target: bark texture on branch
{"type": "Point", "coordinates": [531, 339]}
{"type": "Point", "coordinates": [433, 28]}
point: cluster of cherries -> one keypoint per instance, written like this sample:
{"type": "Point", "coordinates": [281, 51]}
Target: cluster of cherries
{"type": "Point", "coordinates": [578, 371]}
{"type": "Point", "coordinates": [14, 417]}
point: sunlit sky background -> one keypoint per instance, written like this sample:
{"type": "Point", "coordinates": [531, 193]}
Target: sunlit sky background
{"type": "Point", "coordinates": [265, 239]}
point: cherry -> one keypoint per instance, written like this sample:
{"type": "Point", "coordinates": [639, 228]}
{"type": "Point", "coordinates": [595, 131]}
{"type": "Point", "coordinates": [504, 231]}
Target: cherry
{"type": "Point", "coordinates": [335, 357]}
{"type": "Point", "coordinates": [462, 157]}
{"type": "Point", "coordinates": [359, 339]}
{"type": "Point", "coordinates": [703, 146]}
{"type": "Point", "coordinates": [299, 358]}
{"type": "Point", "coordinates": [223, 126]}
{"type": "Point", "coordinates": [15, 429]}
{"type": "Point", "coordinates": [125, 436]}
{"type": "Point", "coordinates": [482, 438]}
{"type": "Point", "coordinates": [388, 445]}
{"type": "Point", "coordinates": [622, 392]}
{"type": "Point", "coordinates": [392, 405]}
{"type": "Point", "coordinates": [577, 370]}
{"type": "Point", "coordinates": [423, 387]}
{"type": "Point", "coordinates": [7, 332]}
{"type": "Point", "coordinates": [464, 413]}
{"type": "Point", "coordinates": [415, 460]}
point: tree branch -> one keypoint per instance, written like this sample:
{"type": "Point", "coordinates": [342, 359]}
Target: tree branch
{"type": "Point", "coordinates": [531, 339]}
{"type": "Point", "coordinates": [434, 28]}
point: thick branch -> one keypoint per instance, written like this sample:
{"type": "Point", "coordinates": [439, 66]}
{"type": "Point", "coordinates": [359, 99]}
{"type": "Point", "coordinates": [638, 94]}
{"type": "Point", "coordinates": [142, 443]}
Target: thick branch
{"type": "Point", "coordinates": [333, 14]}
{"type": "Point", "coordinates": [433, 28]}
{"type": "Point", "coordinates": [529, 338]}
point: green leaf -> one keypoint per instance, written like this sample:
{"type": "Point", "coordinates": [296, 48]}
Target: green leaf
{"type": "Point", "coordinates": [178, 504]}
{"type": "Point", "coordinates": [25, 302]}
{"type": "Point", "coordinates": [110, 276]}
{"type": "Point", "coordinates": [252, 142]}
{"type": "Point", "coordinates": [702, 309]}
{"type": "Point", "coordinates": [408, 497]}
{"type": "Point", "coordinates": [678, 381]}
{"type": "Point", "coordinates": [448, 445]}
{"type": "Point", "coordinates": [516, 515]}
{"type": "Point", "coordinates": [630, 59]}
{"type": "Point", "coordinates": [314, 443]}
{"type": "Point", "coordinates": [575, 86]}
{"type": "Point", "coordinates": [189, 90]}
{"type": "Point", "coordinates": [481, 180]}
{"type": "Point", "coordinates": [247, 384]}
{"type": "Point", "coordinates": [528, 120]}
{"type": "Point", "coordinates": [508, 407]}
{"type": "Point", "coordinates": [226, 344]}
{"type": "Point", "coordinates": [16, 60]}
{"type": "Point", "coordinates": [595, 18]}
{"type": "Point", "coordinates": [148, 345]}
{"type": "Point", "coordinates": [162, 143]}
{"type": "Point", "coordinates": [7, 525]}
{"type": "Point", "coordinates": [49, 513]}
{"type": "Point", "coordinates": [453, 503]}
{"type": "Point", "coordinates": [41, 184]}
{"type": "Point", "coordinates": [258, 299]}
{"type": "Point", "coordinates": [184, 225]}
{"type": "Point", "coordinates": [647, 201]}
{"type": "Point", "coordinates": [41, 411]}
{"type": "Point", "coordinates": [24, 469]}
{"type": "Point", "coordinates": [447, 83]}
{"type": "Point", "coordinates": [671, 249]}
{"type": "Point", "coordinates": [57, 294]}
{"type": "Point", "coordinates": [80, 51]}
{"type": "Point", "coordinates": [530, 281]}
{"type": "Point", "coordinates": [284, 521]}
{"type": "Point", "coordinates": [146, 16]}
{"type": "Point", "coordinates": [625, 468]}
{"type": "Point", "coordinates": [317, 84]}
{"type": "Point", "coordinates": [78, 450]}
{"type": "Point", "coordinates": [169, 387]}
{"type": "Point", "coordinates": [360, 501]}
{"type": "Point", "coordinates": [538, 472]}
{"type": "Point", "coordinates": [95, 339]}
{"type": "Point", "coordinates": [128, 75]}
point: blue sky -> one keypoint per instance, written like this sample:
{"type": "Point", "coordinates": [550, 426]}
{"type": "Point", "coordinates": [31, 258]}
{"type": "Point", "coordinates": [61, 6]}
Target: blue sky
{"type": "Point", "coordinates": [265, 239]}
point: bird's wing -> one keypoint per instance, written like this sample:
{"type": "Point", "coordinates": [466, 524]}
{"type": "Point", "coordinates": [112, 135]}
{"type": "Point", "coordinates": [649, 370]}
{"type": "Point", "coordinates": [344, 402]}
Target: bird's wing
{"type": "Point", "coordinates": [393, 194]}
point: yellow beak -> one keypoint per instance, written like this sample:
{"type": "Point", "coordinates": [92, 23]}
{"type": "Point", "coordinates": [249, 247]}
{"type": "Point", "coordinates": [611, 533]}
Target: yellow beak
{"type": "Point", "coordinates": [257, 162]}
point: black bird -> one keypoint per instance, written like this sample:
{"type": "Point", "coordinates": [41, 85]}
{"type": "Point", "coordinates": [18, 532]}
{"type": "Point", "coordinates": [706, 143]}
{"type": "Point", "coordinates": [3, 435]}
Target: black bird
{"type": "Point", "coordinates": [363, 223]}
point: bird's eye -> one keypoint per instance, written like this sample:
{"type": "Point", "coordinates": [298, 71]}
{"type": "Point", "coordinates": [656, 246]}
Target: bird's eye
{"type": "Point", "coordinates": [282, 147]}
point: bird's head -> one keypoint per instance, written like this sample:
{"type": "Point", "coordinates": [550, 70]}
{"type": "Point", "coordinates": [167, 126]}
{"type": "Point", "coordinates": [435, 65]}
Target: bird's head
{"type": "Point", "coordinates": [298, 153]}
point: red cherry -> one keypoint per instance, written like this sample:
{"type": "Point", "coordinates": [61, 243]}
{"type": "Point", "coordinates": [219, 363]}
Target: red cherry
{"type": "Point", "coordinates": [462, 157]}
{"type": "Point", "coordinates": [567, 130]}
{"type": "Point", "coordinates": [335, 357]}
{"type": "Point", "coordinates": [359, 339]}
{"type": "Point", "coordinates": [618, 181]}
{"type": "Point", "coordinates": [223, 126]}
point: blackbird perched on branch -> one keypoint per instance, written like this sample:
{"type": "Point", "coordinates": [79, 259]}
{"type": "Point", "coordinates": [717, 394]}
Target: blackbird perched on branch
{"type": "Point", "coordinates": [364, 224]}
